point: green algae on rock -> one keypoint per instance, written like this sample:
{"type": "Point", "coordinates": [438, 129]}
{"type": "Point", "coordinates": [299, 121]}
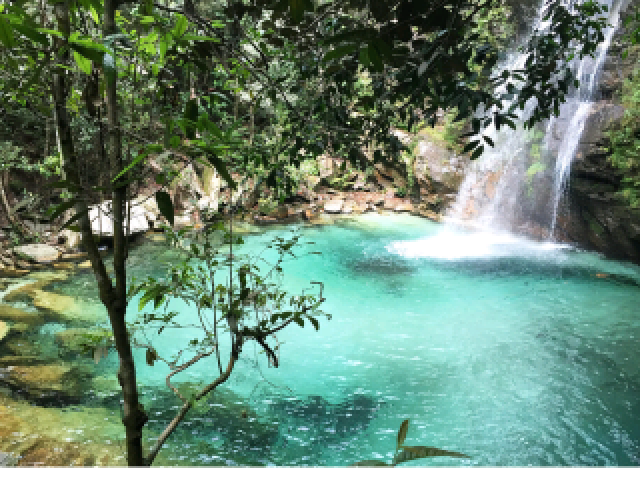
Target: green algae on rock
{"type": "Point", "coordinates": [83, 340]}
{"type": "Point", "coordinates": [47, 382]}
{"type": "Point", "coordinates": [17, 315]}
{"type": "Point", "coordinates": [37, 436]}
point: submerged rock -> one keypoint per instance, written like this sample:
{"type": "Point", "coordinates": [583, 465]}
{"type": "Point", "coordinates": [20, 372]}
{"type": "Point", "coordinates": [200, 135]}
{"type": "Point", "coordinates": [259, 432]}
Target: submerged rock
{"type": "Point", "coordinates": [44, 383]}
{"type": "Point", "coordinates": [17, 315]}
{"type": "Point", "coordinates": [83, 340]}
{"type": "Point", "coordinates": [4, 330]}
{"type": "Point", "coordinates": [38, 252]}
{"type": "Point", "coordinates": [37, 436]}
{"type": "Point", "coordinates": [12, 272]}
{"type": "Point", "coordinates": [68, 309]}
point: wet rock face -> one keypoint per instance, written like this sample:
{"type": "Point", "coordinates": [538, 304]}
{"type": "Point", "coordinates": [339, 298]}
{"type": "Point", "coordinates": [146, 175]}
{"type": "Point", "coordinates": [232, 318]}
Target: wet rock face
{"type": "Point", "coordinates": [599, 219]}
{"type": "Point", "coordinates": [594, 216]}
{"type": "Point", "coordinates": [437, 167]}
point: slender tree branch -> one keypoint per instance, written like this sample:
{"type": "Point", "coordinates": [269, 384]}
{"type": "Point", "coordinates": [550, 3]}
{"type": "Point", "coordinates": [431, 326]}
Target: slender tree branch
{"type": "Point", "coordinates": [185, 409]}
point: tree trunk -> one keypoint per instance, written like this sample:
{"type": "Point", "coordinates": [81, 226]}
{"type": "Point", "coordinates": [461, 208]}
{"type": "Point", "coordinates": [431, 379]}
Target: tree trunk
{"type": "Point", "coordinates": [114, 298]}
{"type": "Point", "coordinates": [134, 417]}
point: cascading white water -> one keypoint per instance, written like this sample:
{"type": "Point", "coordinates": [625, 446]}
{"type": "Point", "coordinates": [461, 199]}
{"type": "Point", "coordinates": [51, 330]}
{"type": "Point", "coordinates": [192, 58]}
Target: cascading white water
{"type": "Point", "coordinates": [502, 190]}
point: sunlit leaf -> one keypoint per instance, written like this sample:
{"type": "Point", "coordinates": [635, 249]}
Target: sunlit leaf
{"type": "Point", "coordinates": [402, 433]}
{"type": "Point", "coordinates": [180, 26]}
{"type": "Point", "coordinates": [83, 63]}
{"type": "Point", "coordinates": [370, 463]}
{"type": "Point", "coordinates": [6, 33]}
{"type": "Point", "coordinates": [415, 453]}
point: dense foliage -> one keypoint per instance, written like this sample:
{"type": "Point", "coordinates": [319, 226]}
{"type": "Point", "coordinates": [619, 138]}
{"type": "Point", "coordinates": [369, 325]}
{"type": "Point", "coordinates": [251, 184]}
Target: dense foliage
{"type": "Point", "coordinates": [139, 91]}
{"type": "Point", "coordinates": [624, 135]}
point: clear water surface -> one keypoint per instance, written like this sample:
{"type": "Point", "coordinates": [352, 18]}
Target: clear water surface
{"type": "Point", "coordinates": [512, 352]}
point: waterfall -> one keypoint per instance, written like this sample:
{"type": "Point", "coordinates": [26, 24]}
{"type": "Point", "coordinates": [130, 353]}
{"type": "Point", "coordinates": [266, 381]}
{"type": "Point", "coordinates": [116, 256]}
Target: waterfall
{"type": "Point", "coordinates": [518, 185]}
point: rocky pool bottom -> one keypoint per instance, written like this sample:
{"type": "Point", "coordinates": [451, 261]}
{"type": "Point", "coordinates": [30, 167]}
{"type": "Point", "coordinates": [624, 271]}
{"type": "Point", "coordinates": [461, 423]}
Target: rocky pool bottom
{"type": "Point", "coordinates": [512, 352]}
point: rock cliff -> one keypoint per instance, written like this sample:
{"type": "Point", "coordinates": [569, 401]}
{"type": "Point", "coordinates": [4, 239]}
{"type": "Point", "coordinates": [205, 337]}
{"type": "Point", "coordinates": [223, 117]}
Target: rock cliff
{"type": "Point", "coordinates": [594, 215]}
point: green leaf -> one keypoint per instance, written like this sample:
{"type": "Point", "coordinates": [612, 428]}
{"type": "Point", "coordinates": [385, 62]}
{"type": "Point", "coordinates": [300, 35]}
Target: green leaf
{"type": "Point", "coordinates": [165, 205]}
{"type": "Point", "coordinates": [364, 57]}
{"type": "Point", "coordinates": [55, 211]}
{"type": "Point", "coordinates": [215, 161]}
{"type": "Point", "coordinates": [190, 117]}
{"type": "Point", "coordinates": [477, 152]}
{"type": "Point", "coordinates": [402, 433]}
{"type": "Point", "coordinates": [370, 463]}
{"type": "Point", "coordinates": [375, 58]}
{"type": "Point", "coordinates": [536, 167]}
{"type": "Point", "coordinates": [32, 34]}
{"type": "Point", "coordinates": [93, 51]}
{"type": "Point", "coordinates": [415, 453]}
{"type": "Point", "coordinates": [470, 146]}
{"type": "Point", "coordinates": [6, 33]}
{"type": "Point", "coordinates": [298, 7]}
{"type": "Point", "coordinates": [163, 45]}
{"type": "Point", "coordinates": [180, 26]}
{"type": "Point", "coordinates": [153, 148]}
{"type": "Point", "coordinates": [73, 219]}
{"type": "Point", "coordinates": [199, 38]}
{"type": "Point", "coordinates": [339, 52]}
{"type": "Point", "coordinates": [83, 63]}
{"type": "Point", "coordinates": [488, 140]}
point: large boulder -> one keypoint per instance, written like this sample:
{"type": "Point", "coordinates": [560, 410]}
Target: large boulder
{"type": "Point", "coordinates": [333, 206]}
{"type": "Point", "coordinates": [42, 382]}
{"type": "Point", "coordinates": [38, 252]}
{"type": "Point", "coordinates": [69, 309]}
{"type": "Point", "coordinates": [438, 167]}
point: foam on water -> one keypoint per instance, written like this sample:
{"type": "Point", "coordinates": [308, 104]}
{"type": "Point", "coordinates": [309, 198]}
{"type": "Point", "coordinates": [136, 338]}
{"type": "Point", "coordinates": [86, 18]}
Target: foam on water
{"type": "Point", "coordinates": [453, 244]}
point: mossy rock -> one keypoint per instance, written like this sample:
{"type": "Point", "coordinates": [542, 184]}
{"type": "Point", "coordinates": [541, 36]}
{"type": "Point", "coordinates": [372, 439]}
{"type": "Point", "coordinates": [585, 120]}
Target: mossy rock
{"type": "Point", "coordinates": [17, 315]}
{"type": "Point", "coordinates": [58, 382]}
{"type": "Point", "coordinates": [22, 346]}
{"type": "Point", "coordinates": [37, 436]}
{"type": "Point", "coordinates": [68, 309]}
{"type": "Point", "coordinates": [35, 281]}
{"type": "Point", "coordinates": [83, 340]}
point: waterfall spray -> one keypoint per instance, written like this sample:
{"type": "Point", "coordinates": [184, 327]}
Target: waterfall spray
{"type": "Point", "coordinates": [501, 190]}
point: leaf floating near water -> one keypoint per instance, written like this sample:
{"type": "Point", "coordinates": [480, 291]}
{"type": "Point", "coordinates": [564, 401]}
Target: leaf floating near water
{"type": "Point", "coordinates": [370, 463]}
{"type": "Point", "coordinates": [402, 433]}
{"type": "Point", "coordinates": [415, 453]}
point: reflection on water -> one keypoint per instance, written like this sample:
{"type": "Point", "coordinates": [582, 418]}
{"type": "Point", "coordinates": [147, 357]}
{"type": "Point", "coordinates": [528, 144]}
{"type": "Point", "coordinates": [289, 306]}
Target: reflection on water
{"type": "Point", "coordinates": [512, 352]}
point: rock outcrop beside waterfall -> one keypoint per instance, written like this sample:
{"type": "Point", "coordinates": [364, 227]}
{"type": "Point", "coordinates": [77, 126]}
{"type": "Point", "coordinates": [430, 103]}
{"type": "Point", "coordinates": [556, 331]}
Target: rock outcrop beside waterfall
{"type": "Point", "coordinates": [595, 216]}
